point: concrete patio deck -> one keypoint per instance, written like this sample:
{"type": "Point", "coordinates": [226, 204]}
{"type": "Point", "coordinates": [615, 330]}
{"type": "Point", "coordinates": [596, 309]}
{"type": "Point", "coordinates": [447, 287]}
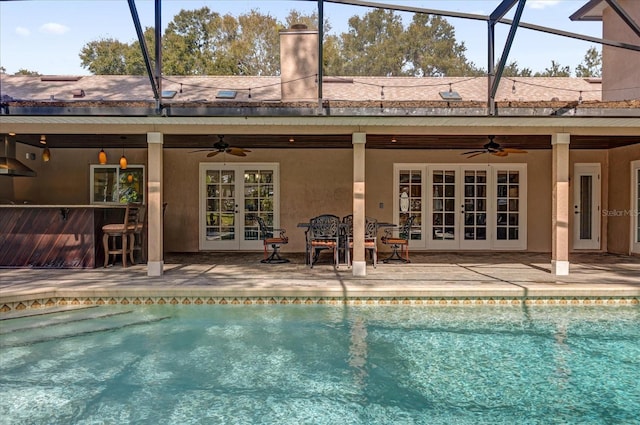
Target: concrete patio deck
{"type": "Point", "coordinates": [240, 278]}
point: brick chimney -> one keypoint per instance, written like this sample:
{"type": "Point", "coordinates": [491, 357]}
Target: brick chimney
{"type": "Point", "coordinates": [299, 63]}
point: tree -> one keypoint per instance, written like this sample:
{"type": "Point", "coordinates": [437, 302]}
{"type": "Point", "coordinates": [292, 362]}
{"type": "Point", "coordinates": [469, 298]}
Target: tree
{"type": "Point", "coordinates": [372, 44]}
{"type": "Point", "coordinates": [591, 65]}
{"type": "Point", "coordinates": [202, 42]}
{"type": "Point", "coordinates": [556, 70]}
{"type": "Point", "coordinates": [106, 56]}
{"type": "Point", "coordinates": [432, 51]}
{"type": "Point", "coordinates": [257, 46]}
{"type": "Point", "coordinates": [23, 71]}
{"type": "Point", "coordinates": [513, 70]}
{"type": "Point", "coordinates": [191, 40]}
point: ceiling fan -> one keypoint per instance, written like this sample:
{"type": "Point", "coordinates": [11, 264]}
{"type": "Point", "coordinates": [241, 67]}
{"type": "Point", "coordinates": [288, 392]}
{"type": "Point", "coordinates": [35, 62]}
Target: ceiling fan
{"type": "Point", "coordinates": [224, 147]}
{"type": "Point", "coordinates": [494, 149]}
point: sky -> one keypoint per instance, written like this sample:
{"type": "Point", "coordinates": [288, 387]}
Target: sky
{"type": "Point", "coordinates": [47, 35]}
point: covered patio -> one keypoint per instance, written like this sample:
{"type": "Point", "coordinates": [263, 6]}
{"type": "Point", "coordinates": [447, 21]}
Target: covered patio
{"type": "Point", "coordinates": [436, 279]}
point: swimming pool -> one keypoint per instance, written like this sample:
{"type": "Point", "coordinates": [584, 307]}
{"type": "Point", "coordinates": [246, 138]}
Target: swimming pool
{"type": "Point", "coordinates": [322, 365]}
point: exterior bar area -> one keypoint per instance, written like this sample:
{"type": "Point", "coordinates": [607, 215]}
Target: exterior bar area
{"type": "Point", "coordinates": [54, 236]}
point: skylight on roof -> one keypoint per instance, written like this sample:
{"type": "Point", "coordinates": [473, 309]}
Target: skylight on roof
{"type": "Point", "coordinates": [168, 94]}
{"type": "Point", "coordinates": [226, 94]}
{"type": "Point", "coordinates": [450, 95]}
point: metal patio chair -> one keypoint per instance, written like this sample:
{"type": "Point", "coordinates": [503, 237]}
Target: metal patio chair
{"type": "Point", "coordinates": [267, 234]}
{"type": "Point", "coordinates": [324, 233]}
{"type": "Point", "coordinates": [370, 237]}
{"type": "Point", "coordinates": [400, 242]}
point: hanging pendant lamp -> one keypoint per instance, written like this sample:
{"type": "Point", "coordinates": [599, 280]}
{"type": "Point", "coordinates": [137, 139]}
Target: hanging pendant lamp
{"type": "Point", "coordinates": [123, 161]}
{"type": "Point", "coordinates": [102, 157]}
{"type": "Point", "coordinates": [46, 155]}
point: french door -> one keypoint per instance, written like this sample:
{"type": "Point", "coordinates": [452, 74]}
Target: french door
{"type": "Point", "coordinates": [635, 207]}
{"type": "Point", "coordinates": [230, 195]}
{"type": "Point", "coordinates": [465, 207]}
{"type": "Point", "coordinates": [586, 206]}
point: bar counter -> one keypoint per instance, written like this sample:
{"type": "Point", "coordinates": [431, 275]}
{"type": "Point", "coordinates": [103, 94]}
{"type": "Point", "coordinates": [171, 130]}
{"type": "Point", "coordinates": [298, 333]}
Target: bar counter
{"type": "Point", "coordinates": [54, 236]}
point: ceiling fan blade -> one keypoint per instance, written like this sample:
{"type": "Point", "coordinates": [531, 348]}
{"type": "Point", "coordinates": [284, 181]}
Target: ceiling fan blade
{"type": "Point", "coordinates": [214, 153]}
{"type": "Point", "coordinates": [200, 150]}
{"type": "Point", "coordinates": [500, 153]}
{"type": "Point", "coordinates": [470, 152]}
{"type": "Point", "coordinates": [237, 151]}
{"type": "Point", "coordinates": [476, 154]}
{"type": "Point", "coordinates": [514, 150]}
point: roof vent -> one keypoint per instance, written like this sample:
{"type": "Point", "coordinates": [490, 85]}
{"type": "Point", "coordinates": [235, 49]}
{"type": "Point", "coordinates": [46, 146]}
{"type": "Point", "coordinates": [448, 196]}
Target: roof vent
{"type": "Point", "coordinates": [337, 80]}
{"type": "Point", "coordinates": [78, 93]}
{"type": "Point", "coordinates": [59, 78]}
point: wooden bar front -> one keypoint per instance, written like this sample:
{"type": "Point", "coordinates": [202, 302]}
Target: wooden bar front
{"type": "Point", "coordinates": [54, 236]}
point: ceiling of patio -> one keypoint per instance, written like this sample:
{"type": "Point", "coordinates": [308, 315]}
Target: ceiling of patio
{"type": "Point", "coordinates": [340, 141]}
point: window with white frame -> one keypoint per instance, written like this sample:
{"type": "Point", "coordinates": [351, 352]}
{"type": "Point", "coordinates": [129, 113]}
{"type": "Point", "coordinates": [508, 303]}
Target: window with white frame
{"type": "Point", "coordinates": [111, 184]}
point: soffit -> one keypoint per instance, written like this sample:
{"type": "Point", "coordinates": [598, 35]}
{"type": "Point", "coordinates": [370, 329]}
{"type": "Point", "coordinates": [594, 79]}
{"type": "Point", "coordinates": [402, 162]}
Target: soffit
{"type": "Point", "coordinates": [321, 141]}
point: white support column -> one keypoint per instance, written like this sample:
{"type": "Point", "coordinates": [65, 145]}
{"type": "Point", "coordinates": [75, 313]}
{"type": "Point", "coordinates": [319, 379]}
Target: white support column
{"type": "Point", "coordinates": [359, 263]}
{"type": "Point", "coordinates": [155, 237]}
{"type": "Point", "coordinates": [560, 204]}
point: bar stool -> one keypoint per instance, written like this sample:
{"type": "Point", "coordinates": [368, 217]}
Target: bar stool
{"type": "Point", "coordinates": [140, 233]}
{"type": "Point", "coordinates": [124, 231]}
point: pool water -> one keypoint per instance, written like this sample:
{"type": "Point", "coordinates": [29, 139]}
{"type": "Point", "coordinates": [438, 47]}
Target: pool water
{"type": "Point", "coordinates": [322, 365]}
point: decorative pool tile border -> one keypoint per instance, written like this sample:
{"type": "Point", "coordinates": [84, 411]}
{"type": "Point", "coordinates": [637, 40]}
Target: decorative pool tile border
{"type": "Point", "coordinates": [42, 303]}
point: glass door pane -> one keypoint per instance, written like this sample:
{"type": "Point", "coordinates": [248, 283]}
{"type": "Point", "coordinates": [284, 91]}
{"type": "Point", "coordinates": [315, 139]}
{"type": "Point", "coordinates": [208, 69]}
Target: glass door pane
{"type": "Point", "coordinates": [475, 205]}
{"type": "Point", "coordinates": [221, 205]}
{"type": "Point", "coordinates": [443, 198]}
{"type": "Point", "coordinates": [508, 205]}
{"type": "Point", "coordinates": [585, 203]}
{"type": "Point", "coordinates": [258, 201]}
{"type": "Point", "coordinates": [410, 200]}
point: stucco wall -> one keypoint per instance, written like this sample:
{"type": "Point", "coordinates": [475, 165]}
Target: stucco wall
{"type": "Point", "coordinates": [65, 178]}
{"type": "Point", "coordinates": [316, 181]}
{"type": "Point", "coordinates": [621, 67]}
{"type": "Point", "coordinates": [619, 198]}
{"type": "Point", "coordinates": [312, 182]}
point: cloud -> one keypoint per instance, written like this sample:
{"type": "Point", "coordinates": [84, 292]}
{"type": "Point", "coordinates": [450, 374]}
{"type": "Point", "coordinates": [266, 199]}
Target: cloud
{"type": "Point", "coordinates": [22, 31]}
{"type": "Point", "coordinates": [541, 4]}
{"type": "Point", "coordinates": [53, 28]}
